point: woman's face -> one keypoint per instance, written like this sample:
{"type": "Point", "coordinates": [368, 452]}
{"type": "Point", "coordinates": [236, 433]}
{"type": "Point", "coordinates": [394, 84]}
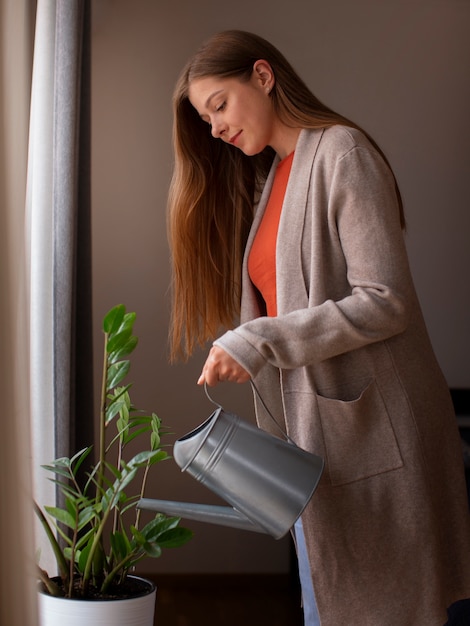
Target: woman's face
{"type": "Point", "coordinates": [239, 113]}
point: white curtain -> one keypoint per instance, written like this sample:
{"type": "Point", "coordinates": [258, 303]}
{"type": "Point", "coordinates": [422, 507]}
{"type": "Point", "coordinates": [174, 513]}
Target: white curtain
{"type": "Point", "coordinates": [45, 283]}
{"type": "Point", "coordinates": [17, 585]}
{"type": "Point", "coordinates": [40, 211]}
{"type": "Point", "coordinates": [58, 210]}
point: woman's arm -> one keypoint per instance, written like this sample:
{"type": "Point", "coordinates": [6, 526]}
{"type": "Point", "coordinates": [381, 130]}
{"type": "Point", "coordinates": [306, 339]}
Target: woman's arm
{"type": "Point", "coordinates": [364, 225]}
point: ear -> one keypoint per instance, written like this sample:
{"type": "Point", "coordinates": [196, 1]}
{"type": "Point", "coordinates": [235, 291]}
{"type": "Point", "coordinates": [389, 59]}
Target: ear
{"type": "Point", "coordinates": [263, 75]}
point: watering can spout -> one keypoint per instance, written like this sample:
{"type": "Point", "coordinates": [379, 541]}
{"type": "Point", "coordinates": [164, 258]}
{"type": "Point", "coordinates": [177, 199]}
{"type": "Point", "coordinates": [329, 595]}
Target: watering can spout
{"type": "Point", "coordinates": [212, 514]}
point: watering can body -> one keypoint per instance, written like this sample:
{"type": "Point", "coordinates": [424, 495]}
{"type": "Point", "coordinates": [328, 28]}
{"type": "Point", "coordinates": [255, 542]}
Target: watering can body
{"type": "Point", "coordinates": [266, 480]}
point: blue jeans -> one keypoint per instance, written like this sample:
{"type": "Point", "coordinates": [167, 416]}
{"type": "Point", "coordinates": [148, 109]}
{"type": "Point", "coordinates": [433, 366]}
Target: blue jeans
{"type": "Point", "coordinates": [311, 617]}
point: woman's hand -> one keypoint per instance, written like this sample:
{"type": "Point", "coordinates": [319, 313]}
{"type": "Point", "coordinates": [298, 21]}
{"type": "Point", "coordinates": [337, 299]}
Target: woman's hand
{"type": "Point", "coordinates": [219, 367]}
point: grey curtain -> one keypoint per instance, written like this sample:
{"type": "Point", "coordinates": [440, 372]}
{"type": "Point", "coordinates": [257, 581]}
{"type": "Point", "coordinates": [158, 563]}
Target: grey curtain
{"type": "Point", "coordinates": [59, 218]}
{"type": "Point", "coordinates": [72, 354]}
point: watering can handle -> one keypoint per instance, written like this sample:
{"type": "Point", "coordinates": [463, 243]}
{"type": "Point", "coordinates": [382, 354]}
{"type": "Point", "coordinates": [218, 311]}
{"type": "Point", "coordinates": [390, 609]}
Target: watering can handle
{"type": "Point", "coordinates": [257, 393]}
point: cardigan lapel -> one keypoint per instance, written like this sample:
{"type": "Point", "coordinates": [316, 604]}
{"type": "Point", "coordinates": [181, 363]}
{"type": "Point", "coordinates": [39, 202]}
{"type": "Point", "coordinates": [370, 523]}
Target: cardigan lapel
{"type": "Point", "coordinates": [289, 284]}
{"type": "Point", "coordinates": [249, 303]}
{"type": "Point", "coordinates": [289, 248]}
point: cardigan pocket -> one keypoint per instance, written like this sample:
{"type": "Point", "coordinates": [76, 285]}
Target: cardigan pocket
{"type": "Point", "coordinates": [359, 437]}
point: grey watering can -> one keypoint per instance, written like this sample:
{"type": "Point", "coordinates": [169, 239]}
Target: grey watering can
{"type": "Point", "coordinates": [267, 481]}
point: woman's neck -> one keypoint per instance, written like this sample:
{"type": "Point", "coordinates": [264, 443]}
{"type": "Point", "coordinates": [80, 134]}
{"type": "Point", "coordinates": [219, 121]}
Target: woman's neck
{"type": "Point", "coordinates": [285, 140]}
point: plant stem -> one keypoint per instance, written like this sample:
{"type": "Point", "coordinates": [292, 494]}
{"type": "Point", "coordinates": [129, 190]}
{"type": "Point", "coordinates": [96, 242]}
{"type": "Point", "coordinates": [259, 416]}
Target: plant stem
{"type": "Point", "coordinates": [118, 465]}
{"type": "Point", "coordinates": [98, 535]}
{"type": "Point", "coordinates": [121, 566]}
{"type": "Point", "coordinates": [52, 588]}
{"type": "Point", "coordinates": [142, 493]}
{"type": "Point", "coordinates": [72, 554]}
{"type": "Point", "coordinates": [102, 458]}
{"type": "Point", "coordinates": [100, 468]}
{"type": "Point", "coordinates": [61, 561]}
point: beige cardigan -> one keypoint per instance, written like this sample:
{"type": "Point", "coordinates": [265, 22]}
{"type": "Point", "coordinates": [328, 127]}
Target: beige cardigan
{"type": "Point", "coordinates": [348, 364]}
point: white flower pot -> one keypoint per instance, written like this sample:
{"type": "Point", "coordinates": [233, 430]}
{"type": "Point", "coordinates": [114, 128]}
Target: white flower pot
{"type": "Point", "coordinates": [138, 611]}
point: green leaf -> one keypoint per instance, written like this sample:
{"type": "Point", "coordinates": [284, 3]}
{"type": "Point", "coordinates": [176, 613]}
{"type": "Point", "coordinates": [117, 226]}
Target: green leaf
{"type": "Point", "coordinates": [115, 407]}
{"type": "Point", "coordinates": [61, 515]}
{"type": "Point", "coordinates": [87, 515]}
{"type": "Point", "coordinates": [124, 350]}
{"type": "Point", "coordinates": [128, 321]}
{"type": "Point", "coordinates": [118, 340]}
{"type": "Point", "coordinates": [165, 532]}
{"type": "Point", "coordinates": [77, 460]}
{"type": "Point", "coordinates": [116, 373]}
{"type": "Point", "coordinates": [83, 556]}
{"type": "Point", "coordinates": [68, 553]}
{"type": "Point", "coordinates": [120, 545]}
{"type": "Point", "coordinates": [113, 494]}
{"type": "Point", "coordinates": [71, 506]}
{"type": "Point", "coordinates": [62, 461]}
{"type": "Point", "coordinates": [108, 499]}
{"type": "Point", "coordinates": [117, 400]}
{"type": "Point", "coordinates": [159, 455]}
{"type": "Point", "coordinates": [130, 435]}
{"type": "Point", "coordinates": [160, 524]}
{"type": "Point", "coordinates": [127, 477]}
{"type": "Point", "coordinates": [118, 392]}
{"type": "Point", "coordinates": [85, 538]}
{"type": "Point", "coordinates": [80, 455]}
{"type": "Point", "coordinates": [152, 550]}
{"type": "Point", "coordinates": [57, 470]}
{"type": "Point", "coordinates": [67, 489]}
{"type": "Point", "coordinates": [141, 458]}
{"type": "Point", "coordinates": [114, 470]}
{"type": "Point", "coordinates": [155, 440]}
{"type": "Point", "coordinates": [138, 536]}
{"type": "Point", "coordinates": [113, 319]}
{"type": "Point", "coordinates": [156, 421]}
{"type": "Point", "coordinates": [129, 503]}
{"type": "Point", "coordinates": [175, 537]}
{"type": "Point", "coordinates": [125, 411]}
{"type": "Point", "coordinates": [139, 420]}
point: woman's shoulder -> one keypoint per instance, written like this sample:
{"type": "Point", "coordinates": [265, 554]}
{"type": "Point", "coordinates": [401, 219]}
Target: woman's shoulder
{"type": "Point", "coordinates": [336, 141]}
{"type": "Point", "coordinates": [346, 137]}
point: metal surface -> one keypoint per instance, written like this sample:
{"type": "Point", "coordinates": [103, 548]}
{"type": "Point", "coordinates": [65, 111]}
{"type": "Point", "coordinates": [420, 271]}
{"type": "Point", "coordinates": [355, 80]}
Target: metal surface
{"type": "Point", "coordinates": [268, 480]}
{"type": "Point", "coordinates": [209, 513]}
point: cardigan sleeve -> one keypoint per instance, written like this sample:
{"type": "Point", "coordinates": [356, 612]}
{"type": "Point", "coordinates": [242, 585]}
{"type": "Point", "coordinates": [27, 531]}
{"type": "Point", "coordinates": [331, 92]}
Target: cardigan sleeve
{"type": "Point", "coordinates": [365, 251]}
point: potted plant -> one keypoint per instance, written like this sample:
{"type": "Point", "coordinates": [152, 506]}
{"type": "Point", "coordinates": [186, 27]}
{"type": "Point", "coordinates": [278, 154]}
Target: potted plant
{"type": "Point", "coordinates": [96, 534]}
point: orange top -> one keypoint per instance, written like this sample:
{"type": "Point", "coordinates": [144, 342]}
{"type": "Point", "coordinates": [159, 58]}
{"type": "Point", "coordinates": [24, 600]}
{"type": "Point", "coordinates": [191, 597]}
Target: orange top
{"type": "Point", "coordinates": [262, 259]}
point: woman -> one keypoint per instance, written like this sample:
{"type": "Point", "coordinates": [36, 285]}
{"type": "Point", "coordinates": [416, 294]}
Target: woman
{"type": "Point", "coordinates": [280, 202]}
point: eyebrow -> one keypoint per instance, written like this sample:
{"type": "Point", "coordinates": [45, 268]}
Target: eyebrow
{"type": "Point", "coordinates": [215, 93]}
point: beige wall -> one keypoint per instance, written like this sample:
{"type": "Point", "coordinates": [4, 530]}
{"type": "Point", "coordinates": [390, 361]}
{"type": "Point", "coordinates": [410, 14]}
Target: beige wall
{"type": "Point", "coordinates": [17, 547]}
{"type": "Point", "coordinates": [399, 68]}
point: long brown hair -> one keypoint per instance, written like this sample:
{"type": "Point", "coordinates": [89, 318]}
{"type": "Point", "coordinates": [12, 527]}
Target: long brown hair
{"type": "Point", "coordinates": [215, 186]}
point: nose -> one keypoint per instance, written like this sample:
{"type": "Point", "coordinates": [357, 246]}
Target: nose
{"type": "Point", "coordinates": [218, 128]}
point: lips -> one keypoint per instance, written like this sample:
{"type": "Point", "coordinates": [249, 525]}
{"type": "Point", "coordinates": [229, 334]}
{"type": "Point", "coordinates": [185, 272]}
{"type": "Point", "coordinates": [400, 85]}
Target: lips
{"type": "Point", "coordinates": [235, 137]}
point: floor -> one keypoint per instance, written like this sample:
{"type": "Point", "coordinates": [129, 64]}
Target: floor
{"type": "Point", "coordinates": [227, 600]}
{"type": "Point", "coordinates": [242, 600]}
